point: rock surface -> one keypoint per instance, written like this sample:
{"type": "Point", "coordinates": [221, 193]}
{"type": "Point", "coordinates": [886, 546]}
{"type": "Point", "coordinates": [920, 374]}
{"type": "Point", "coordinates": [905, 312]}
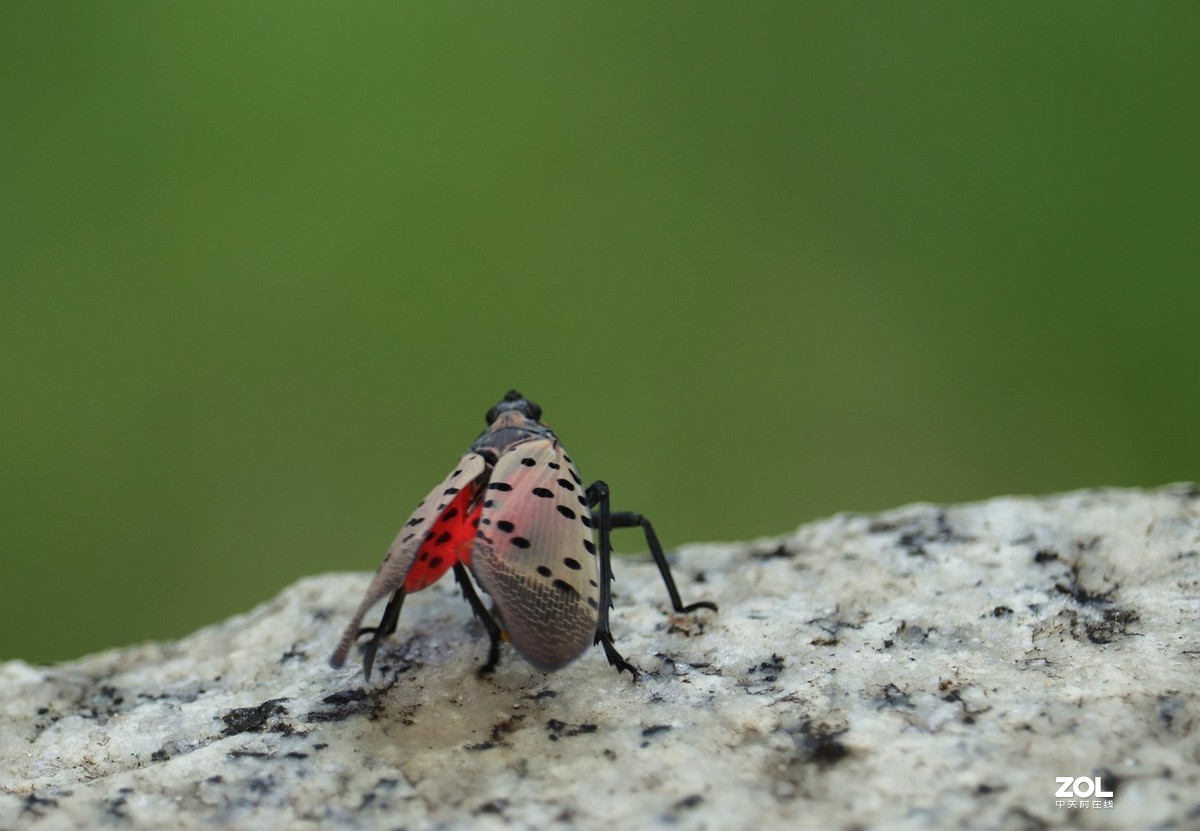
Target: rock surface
{"type": "Point", "coordinates": [927, 667]}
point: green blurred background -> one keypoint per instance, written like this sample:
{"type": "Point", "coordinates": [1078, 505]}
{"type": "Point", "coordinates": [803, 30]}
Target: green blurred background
{"type": "Point", "coordinates": [263, 267]}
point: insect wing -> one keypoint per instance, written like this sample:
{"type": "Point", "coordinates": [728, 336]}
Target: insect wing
{"type": "Point", "coordinates": [403, 551]}
{"type": "Point", "coordinates": [449, 540]}
{"type": "Point", "coordinates": [536, 556]}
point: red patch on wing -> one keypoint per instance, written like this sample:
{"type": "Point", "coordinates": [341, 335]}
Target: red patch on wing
{"type": "Point", "coordinates": [449, 540]}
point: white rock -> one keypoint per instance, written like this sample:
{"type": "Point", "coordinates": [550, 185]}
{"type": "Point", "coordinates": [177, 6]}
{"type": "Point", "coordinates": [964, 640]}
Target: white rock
{"type": "Point", "coordinates": [928, 667]}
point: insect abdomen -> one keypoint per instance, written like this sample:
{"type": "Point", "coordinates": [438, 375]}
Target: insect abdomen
{"type": "Point", "coordinates": [549, 623]}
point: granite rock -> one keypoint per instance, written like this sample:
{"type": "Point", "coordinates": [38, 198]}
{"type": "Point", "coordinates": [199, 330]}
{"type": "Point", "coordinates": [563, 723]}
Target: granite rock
{"type": "Point", "coordinates": [932, 666]}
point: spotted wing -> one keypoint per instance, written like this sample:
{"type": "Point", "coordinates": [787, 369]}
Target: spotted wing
{"type": "Point", "coordinates": [403, 551]}
{"type": "Point", "coordinates": [536, 556]}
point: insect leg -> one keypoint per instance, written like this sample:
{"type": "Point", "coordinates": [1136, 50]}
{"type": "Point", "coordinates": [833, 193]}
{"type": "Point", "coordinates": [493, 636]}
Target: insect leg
{"type": "Point", "coordinates": [387, 625]}
{"type": "Point", "coordinates": [489, 623]}
{"type": "Point", "coordinates": [597, 493]}
{"type": "Point", "coordinates": [628, 519]}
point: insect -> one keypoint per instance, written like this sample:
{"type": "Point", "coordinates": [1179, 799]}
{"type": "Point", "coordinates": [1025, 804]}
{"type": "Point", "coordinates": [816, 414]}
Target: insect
{"type": "Point", "coordinates": [515, 514]}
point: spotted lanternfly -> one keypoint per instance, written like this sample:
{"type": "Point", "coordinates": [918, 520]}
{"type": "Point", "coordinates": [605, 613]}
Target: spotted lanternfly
{"type": "Point", "coordinates": [516, 515]}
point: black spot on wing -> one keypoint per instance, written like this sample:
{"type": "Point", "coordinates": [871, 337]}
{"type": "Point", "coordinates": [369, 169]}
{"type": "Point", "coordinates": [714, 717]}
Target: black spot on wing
{"type": "Point", "coordinates": [572, 563]}
{"type": "Point", "coordinates": [566, 483]}
{"type": "Point", "coordinates": [586, 520]}
{"type": "Point", "coordinates": [565, 511]}
{"type": "Point", "coordinates": [443, 538]}
{"type": "Point", "coordinates": [499, 486]}
{"type": "Point", "coordinates": [544, 571]}
{"type": "Point", "coordinates": [528, 462]}
{"type": "Point", "coordinates": [450, 514]}
{"type": "Point", "coordinates": [589, 546]}
{"type": "Point", "coordinates": [544, 493]}
{"type": "Point", "coordinates": [520, 542]}
{"type": "Point", "coordinates": [565, 587]}
{"type": "Point", "coordinates": [505, 526]}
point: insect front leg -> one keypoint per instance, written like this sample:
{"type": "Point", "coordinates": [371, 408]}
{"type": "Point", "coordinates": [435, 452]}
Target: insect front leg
{"type": "Point", "coordinates": [481, 612]}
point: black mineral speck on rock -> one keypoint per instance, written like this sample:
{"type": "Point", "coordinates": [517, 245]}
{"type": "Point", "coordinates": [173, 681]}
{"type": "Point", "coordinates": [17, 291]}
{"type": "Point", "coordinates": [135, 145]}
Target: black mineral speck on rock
{"type": "Point", "coordinates": [561, 728]}
{"type": "Point", "coordinates": [251, 719]}
{"type": "Point", "coordinates": [346, 696]}
{"type": "Point", "coordinates": [38, 805]}
{"type": "Point", "coordinates": [771, 668]}
{"type": "Point", "coordinates": [496, 806]}
{"type": "Point", "coordinates": [822, 745]}
{"type": "Point", "coordinates": [1114, 624]}
{"type": "Point", "coordinates": [893, 696]}
{"type": "Point", "coordinates": [779, 552]}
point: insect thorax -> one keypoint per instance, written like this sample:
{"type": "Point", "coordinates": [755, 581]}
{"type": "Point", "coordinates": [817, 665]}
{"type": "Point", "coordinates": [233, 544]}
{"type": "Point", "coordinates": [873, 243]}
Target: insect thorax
{"type": "Point", "coordinates": [506, 433]}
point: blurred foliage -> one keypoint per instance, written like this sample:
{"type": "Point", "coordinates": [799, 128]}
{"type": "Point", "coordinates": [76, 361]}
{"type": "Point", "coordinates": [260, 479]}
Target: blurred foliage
{"type": "Point", "coordinates": [263, 267]}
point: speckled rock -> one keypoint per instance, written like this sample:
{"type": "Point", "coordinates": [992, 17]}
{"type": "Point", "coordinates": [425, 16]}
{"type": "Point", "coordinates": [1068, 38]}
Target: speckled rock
{"type": "Point", "coordinates": [927, 667]}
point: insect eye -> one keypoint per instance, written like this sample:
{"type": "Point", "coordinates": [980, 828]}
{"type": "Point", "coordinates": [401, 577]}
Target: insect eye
{"type": "Point", "coordinates": [491, 416]}
{"type": "Point", "coordinates": [535, 412]}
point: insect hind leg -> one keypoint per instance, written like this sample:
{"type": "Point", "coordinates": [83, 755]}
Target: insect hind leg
{"type": "Point", "coordinates": [604, 520]}
{"type": "Point", "coordinates": [481, 612]}
{"type": "Point", "coordinates": [629, 519]}
{"type": "Point", "coordinates": [597, 494]}
{"type": "Point", "coordinates": [387, 625]}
